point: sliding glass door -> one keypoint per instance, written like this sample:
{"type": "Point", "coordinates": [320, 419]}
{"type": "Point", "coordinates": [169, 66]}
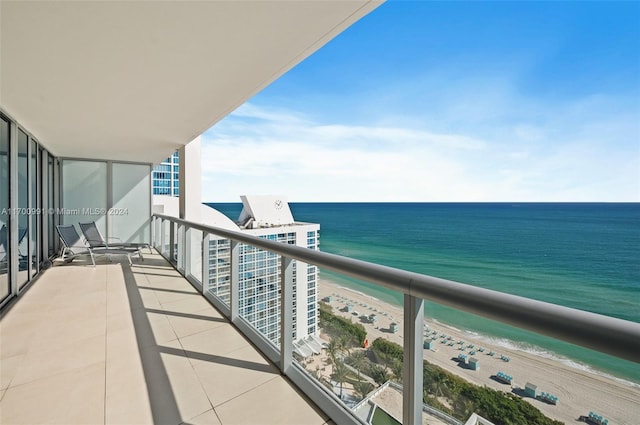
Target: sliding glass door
{"type": "Point", "coordinates": [5, 287]}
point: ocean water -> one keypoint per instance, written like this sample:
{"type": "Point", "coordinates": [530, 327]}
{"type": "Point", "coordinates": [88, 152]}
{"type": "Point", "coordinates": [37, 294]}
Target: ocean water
{"type": "Point", "coordinates": [580, 255]}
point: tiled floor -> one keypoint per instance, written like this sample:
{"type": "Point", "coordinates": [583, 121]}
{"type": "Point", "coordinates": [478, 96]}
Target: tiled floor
{"type": "Point", "coordinates": [134, 345]}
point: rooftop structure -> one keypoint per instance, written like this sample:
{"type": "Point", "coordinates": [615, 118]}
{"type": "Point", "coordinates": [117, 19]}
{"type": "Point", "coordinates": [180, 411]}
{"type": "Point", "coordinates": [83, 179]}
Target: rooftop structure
{"type": "Point", "coordinates": [264, 211]}
{"type": "Point", "coordinates": [388, 397]}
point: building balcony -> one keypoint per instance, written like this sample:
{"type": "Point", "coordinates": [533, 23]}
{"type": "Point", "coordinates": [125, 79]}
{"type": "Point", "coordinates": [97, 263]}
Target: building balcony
{"type": "Point", "coordinates": [139, 344]}
{"type": "Point", "coordinates": [143, 344]}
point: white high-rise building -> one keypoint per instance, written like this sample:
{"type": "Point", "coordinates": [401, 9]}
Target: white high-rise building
{"type": "Point", "coordinates": [267, 217]}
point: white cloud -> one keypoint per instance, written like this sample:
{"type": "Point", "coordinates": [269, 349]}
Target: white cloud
{"type": "Point", "coordinates": [310, 162]}
{"type": "Point", "coordinates": [563, 158]}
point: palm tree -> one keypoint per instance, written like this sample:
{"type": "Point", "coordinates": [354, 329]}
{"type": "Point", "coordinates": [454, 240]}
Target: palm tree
{"type": "Point", "coordinates": [336, 348]}
{"type": "Point", "coordinates": [332, 350]}
{"type": "Point", "coordinates": [340, 374]}
{"type": "Point", "coordinates": [438, 387]}
{"type": "Point", "coordinates": [359, 360]}
{"type": "Point", "coordinates": [464, 407]}
{"type": "Point", "coordinates": [344, 344]}
{"type": "Point", "coordinates": [362, 388]}
{"type": "Point", "coordinates": [396, 369]}
{"type": "Point", "coordinates": [378, 373]}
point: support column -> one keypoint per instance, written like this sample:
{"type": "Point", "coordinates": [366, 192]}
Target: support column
{"type": "Point", "coordinates": [190, 175]}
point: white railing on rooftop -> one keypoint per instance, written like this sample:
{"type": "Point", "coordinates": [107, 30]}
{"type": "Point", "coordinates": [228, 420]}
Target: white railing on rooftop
{"type": "Point", "coordinates": [609, 335]}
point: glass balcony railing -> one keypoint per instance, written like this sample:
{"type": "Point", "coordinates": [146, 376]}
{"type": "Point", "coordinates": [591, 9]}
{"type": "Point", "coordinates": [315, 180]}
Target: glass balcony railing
{"type": "Point", "coordinates": [362, 359]}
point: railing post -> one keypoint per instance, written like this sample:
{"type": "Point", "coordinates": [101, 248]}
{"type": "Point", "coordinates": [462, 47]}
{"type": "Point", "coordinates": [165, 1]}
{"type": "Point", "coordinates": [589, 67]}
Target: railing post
{"type": "Point", "coordinates": [153, 231]}
{"type": "Point", "coordinates": [186, 250]}
{"type": "Point", "coordinates": [158, 235]}
{"type": "Point", "coordinates": [182, 246]}
{"type": "Point", "coordinates": [172, 250]}
{"type": "Point", "coordinates": [413, 363]}
{"type": "Point", "coordinates": [206, 237]}
{"type": "Point", "coordinates": [286, 314]}
{"type": "Point", "coordinates": [234, 276]}
{"type": "Point", "coordinates": [179, 247]}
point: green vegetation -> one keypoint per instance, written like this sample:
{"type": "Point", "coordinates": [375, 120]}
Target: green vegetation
{"type": "Point", "coordinates": [364, 366]}
{"type": "Point", "coordinates": [336, 326]}
{"type": "Point", "coordinates": [462, 397]}
{"type": "Point", "coordinates": [389, 354]}
{"type": "Point", "coordinates": [362, 388]}
{"type": "Point", "coordinates": [443, 390]}
{"type": "Point", "coordinates": [386, 350]}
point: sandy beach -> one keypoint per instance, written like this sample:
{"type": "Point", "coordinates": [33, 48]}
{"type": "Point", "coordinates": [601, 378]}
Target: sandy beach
{"type": "Point", "coordinates": [578, 391]}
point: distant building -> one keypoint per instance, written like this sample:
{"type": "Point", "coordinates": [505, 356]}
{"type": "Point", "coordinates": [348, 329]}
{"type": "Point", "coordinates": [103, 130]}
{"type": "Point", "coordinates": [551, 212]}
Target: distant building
{"type": "Point", "coordinates": [267, 217]}
{"type": "Point", "coordinates": [164, 178]}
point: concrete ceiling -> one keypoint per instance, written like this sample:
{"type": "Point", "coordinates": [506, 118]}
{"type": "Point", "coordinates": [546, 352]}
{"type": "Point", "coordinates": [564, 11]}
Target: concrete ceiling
{"type": "Point", "coordinates": [135, 80]}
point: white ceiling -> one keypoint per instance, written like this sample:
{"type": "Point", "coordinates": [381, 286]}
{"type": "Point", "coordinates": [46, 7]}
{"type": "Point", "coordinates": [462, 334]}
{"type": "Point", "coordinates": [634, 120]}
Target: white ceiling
{"type": "Point", "coordinates": [136, 80]}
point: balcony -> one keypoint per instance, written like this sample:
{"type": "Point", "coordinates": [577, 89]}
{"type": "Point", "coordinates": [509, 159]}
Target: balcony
{"type": "Point", "coordinates": [120, 344]}
{"type": "Point", "coordinates": [188, 243]}
{"type": "Point", "coordinates": [143, 344]}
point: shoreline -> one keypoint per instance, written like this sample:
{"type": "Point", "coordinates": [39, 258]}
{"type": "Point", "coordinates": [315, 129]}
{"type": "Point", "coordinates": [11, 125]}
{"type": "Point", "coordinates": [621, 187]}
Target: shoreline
{"type": "Point", "coordinates": [505, 343]}
{"type": "Point", "coordinates": [508, 344]}
{"type": "Point", "coordinates": [579, 389]}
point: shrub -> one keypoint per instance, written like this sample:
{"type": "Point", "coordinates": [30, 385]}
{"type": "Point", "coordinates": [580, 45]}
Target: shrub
{"type": "Point", "coordinates": [338, 326]}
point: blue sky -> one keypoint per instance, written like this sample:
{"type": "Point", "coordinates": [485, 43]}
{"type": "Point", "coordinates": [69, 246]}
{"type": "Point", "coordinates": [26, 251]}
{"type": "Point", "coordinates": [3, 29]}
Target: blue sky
{"type": "Point", "coordinates": [447, 101]}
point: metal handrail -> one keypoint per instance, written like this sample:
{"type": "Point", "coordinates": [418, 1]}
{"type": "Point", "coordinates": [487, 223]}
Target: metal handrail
{"type": "Point", "coordinates": [617, 337]}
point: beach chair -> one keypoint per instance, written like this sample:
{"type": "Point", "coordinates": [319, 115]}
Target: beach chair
{"type": "Point", "coordinates": [73, 246]}
{"type": "Point", "coordinates": [4, 249]}
{"type": "Point", "coordinates": [95, 239]}
{"type": "Point", "coordinates": [4, 244]}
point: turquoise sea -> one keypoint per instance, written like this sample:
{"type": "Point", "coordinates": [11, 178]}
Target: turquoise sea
{"type": "Point", "coordinates": [581, 255]}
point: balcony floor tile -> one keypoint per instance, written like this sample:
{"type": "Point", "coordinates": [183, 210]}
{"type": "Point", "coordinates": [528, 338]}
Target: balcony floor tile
{"type": "Point", "coordinates": [121, 344]}
{"type": "Point", "coordinates": [207, 418]}
{"type": "Point", "coordinates": [185, 324]}
{"type": "Point", "coordinates": [218, 341]}
{"type": "Point", "coordinates": [257, 406]}
{"type": "Point", "coordinates": [240, 370]}
{"type": "Point", "coordinates": [73, 397]}
{"type": "Point", "coordinates": [41, 363]}
{"type": "Point", "coordinates": [8, 370]}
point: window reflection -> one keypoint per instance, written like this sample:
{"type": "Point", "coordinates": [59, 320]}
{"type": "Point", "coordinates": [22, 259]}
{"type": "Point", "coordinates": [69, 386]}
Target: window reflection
{"type": "Point", "coordinates": [4, 206]}
{"type": "Point", "coordinates": [23, 208]}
